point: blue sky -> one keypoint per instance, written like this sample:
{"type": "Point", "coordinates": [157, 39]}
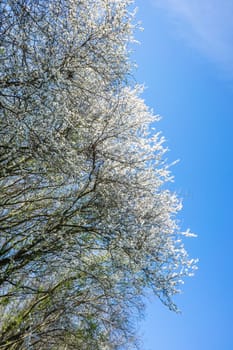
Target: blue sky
{"type": "Point", "coordinates": [185, 60]}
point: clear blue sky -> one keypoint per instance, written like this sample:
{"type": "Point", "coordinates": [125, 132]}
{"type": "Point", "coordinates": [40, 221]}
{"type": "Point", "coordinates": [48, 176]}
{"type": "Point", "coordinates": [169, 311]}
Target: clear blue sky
{"type": "Point", "coordinates": [186, 62]}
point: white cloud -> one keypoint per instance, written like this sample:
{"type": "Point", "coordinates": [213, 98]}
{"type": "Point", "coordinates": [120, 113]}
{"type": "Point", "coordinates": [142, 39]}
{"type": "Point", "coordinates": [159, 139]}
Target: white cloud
{"type": "Point", "coordinates": [206, 24]}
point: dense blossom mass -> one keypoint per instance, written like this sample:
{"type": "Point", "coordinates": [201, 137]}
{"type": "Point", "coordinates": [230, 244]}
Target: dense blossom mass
{"type": "Point", "coordinates": [87, 226]}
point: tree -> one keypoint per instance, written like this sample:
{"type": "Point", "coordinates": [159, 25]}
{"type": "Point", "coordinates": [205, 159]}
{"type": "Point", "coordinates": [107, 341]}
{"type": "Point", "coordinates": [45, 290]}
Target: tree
{"type": "Point", "coordinates": [87, 225]}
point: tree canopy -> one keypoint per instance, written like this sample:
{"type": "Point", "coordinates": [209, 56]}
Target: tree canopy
{"type": "Point", "coordinates": [87, 225]}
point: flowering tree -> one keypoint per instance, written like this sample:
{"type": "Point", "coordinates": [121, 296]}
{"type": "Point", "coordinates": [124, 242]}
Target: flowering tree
{"type": "Point", "coordinates": [87, 226]}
